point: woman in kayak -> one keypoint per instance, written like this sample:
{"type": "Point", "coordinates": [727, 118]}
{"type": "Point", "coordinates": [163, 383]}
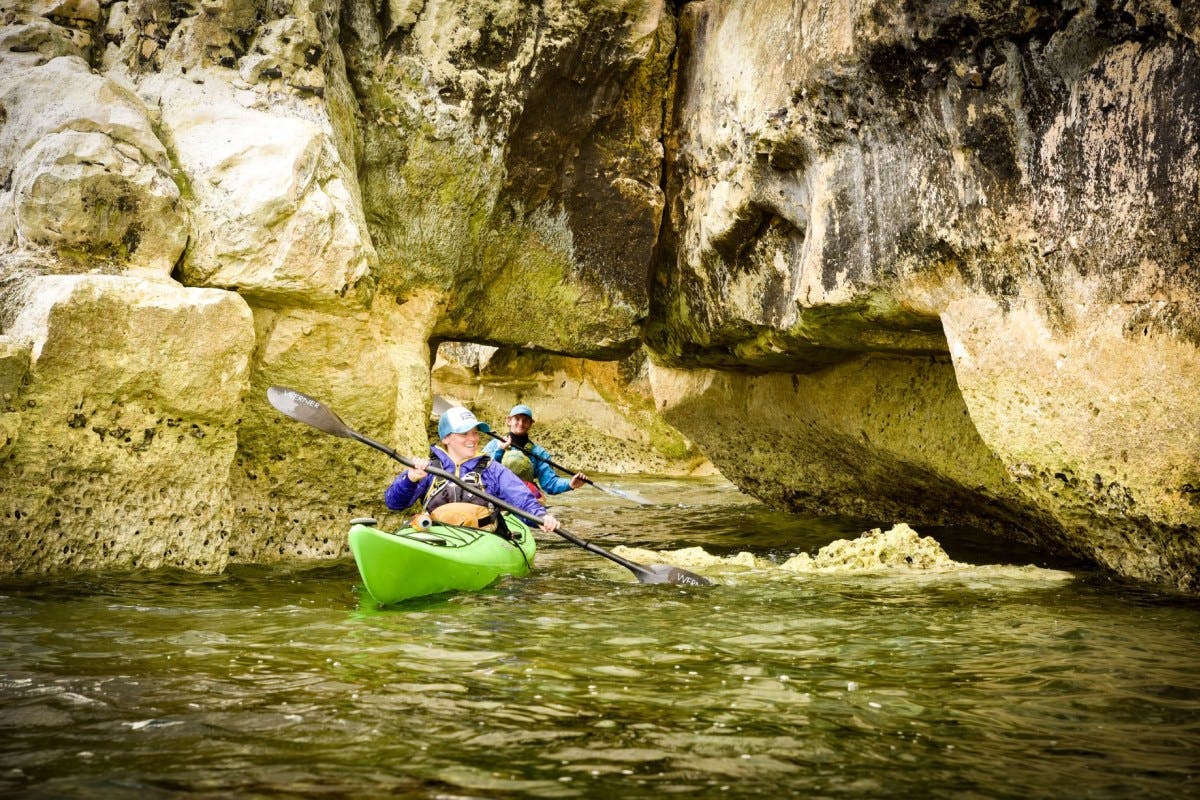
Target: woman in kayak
{"type": "Point", "coordinates": [446, 501]}
{"type": "Point", "coordinates": [520, 420]}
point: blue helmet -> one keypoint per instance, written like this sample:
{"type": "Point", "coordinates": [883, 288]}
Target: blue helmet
{"type": "Point", "coordinates": [521, 408]}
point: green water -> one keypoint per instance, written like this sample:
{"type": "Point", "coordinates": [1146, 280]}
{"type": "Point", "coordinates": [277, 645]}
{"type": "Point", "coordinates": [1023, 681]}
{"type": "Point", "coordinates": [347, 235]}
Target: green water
{"type": "Point", "coordinates": [579, 682]}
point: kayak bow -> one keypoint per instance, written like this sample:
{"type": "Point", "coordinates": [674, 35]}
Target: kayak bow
{"type": "Point", "coordinates": [414, 562]}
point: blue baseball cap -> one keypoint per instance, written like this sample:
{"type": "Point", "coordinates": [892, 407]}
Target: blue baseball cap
{"type": "Point", "coordinates": [521, 408]}
{"type": "Point", "coordinates": [459, 420]}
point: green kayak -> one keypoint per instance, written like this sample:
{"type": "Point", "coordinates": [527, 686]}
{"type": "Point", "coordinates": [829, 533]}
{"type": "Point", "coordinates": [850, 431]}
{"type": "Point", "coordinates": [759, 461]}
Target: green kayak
{"type": "Point", "coordinates": [415, 562]}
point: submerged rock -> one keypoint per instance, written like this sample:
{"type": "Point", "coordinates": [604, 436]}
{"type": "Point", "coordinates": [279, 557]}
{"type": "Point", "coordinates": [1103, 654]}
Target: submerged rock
{"type": "Point", "coordinates": [898, 548]}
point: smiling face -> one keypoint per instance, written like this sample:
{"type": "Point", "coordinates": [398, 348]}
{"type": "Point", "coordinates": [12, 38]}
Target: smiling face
{"type": "Point", "coordinates": [519, 423]}
{"type": "Point", "coordinates": [462, 446]}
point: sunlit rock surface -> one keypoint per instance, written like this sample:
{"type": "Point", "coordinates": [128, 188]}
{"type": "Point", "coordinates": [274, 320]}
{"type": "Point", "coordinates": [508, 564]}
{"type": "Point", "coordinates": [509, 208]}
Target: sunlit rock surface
{"type": "Point", "coordinates": [124, 443]}
{"type": "Point", "coordinates": [957, 244]}
{"type": "Point", "coordinates": [899, 547]}
{"type": "Point", "coordinates": [932, 263]}
{"type": "Point", "coordinates": [87, 176]}
{"type": "Point", "coordinates": [897, 553]}
{"type": "Point", "coordinates": [273, 212]}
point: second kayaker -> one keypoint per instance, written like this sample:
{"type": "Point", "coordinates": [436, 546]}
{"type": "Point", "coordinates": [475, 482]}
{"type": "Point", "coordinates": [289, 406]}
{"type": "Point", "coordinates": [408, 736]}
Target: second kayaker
{"type": "Point", "coordinates": [446, 501]}
{"type": "Point", "coordinates": [520, 420]}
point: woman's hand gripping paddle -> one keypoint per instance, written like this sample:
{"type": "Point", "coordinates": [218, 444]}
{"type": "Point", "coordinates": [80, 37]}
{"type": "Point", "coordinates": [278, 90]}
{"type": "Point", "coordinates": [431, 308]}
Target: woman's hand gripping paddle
{"type": "Point", "coordinates": [303, 408]}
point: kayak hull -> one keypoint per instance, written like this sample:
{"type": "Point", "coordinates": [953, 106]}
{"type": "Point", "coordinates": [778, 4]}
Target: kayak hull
{"type": "Point", "coordinates": [442, 558]}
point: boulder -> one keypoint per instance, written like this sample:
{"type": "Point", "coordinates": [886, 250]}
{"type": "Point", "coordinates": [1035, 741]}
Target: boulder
{"type": "Point", "coordinates": [273, 210]}
{"type": "Point", "coordinates": [88, 178]}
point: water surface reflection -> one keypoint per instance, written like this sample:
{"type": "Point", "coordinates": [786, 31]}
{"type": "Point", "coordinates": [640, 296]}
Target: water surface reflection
{"type": "Point", "coordinates": [580, 682]}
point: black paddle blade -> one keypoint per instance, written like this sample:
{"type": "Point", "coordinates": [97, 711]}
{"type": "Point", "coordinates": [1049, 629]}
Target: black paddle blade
{"type": "Point", "coordinates": [303, 408]}
{"type": "Point", "coordinates": [661, 573]}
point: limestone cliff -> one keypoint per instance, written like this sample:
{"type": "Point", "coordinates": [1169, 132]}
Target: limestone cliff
{"type": "Point", "coordinates": [930, 261]}
{"type": "Point", "coordinates": [958, 244]}
{"type": "Point", "coordinates": [205, 199]}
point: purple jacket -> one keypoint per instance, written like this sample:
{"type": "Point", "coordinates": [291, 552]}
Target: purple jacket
{"type": "Point", "coordinates": [498, 481]}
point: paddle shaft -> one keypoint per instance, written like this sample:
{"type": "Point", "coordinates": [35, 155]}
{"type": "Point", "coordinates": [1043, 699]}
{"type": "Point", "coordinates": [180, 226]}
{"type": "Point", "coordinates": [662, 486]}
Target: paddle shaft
{"type": "Point", "coordinates": [633, 567]}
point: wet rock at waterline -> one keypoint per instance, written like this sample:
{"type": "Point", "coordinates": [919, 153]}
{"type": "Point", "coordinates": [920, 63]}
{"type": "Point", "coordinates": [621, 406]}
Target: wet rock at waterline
{"type": "Point", "coordinates": [899, 550]}
{"type": "Point", "coordinates": [122, 448]}
{"type": "Point", "coordinates": [898, 547]}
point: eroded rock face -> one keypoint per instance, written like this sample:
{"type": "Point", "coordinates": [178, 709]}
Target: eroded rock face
{"type": "Point", "coordinates": [513, 153]}
{"type": "Point", "coordinates": [191, 146]}
{"type": "Point", "coordinates": [510, 165]}
{"type": "Point", "coordinates": [87, 176]}
{"type": "Point", "coordinates": [125, 441]}
{"type": "Point", "coordinates": [1010, 187]}
{"type": "Point", "coordinates": [295, 487]}
{"type": "Point", "coordinates": [931, 262]}
{"type": "Point", "coordinates": [273, 212]}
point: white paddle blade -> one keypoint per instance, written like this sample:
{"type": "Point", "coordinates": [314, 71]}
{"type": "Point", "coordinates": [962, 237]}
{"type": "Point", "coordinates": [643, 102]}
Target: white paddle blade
{"type": "Point", "coordinates": [303, 408]}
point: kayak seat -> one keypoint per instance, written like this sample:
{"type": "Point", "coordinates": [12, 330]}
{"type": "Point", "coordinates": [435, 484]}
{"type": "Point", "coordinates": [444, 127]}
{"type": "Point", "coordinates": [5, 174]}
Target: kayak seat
{"type": "Point", "coordinates": [370, 521]}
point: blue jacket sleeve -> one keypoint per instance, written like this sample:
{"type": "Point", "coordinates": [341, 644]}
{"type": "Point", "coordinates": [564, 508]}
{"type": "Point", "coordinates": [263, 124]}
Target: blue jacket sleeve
{"type": "Point", "coordinates": [492, 449]}
{"type": "Point", "coordinates": [501, 482]}
{"type": "Point", "coordinates": [547, 478]}
{"type": "Point", "coordinates": [403, 492]}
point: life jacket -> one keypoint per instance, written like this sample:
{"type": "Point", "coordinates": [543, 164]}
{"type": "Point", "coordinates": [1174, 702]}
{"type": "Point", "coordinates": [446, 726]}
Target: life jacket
{"type": "Point", "coordinates": [443, 492]}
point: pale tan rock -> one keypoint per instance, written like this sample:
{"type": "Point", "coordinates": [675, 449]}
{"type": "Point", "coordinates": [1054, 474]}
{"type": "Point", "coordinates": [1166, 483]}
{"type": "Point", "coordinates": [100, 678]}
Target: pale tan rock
{"type": "Point", "coordinates": [14, 366]}
{"type": "Point", "coordinates": [283, 49]}
{"type": "Point", "coordinates": [89, 177]}
{"type": "Point", "coordinates": [931, 262]}
{"type": "Point", "coordinates": [35, 41]}
{"type": "Point", "coordinates": [1058, 406]}
{"type": "Point", "coordinates": [84, 10]}
{"type": "Point", "coordinates": [127, 425]}
{"type": "Point", "coordinates": [273, 214]}
{"type": "Point", "coordinates": [295, 488]}
{"type": "Point", "coordinates": [969, 275]}
{"type": "Point", "coordinates": [899, 547]}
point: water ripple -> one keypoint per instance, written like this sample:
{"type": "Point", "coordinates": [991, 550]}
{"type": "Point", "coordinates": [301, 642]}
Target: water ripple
{"type": "Point", "coordinates": [989, 680]}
